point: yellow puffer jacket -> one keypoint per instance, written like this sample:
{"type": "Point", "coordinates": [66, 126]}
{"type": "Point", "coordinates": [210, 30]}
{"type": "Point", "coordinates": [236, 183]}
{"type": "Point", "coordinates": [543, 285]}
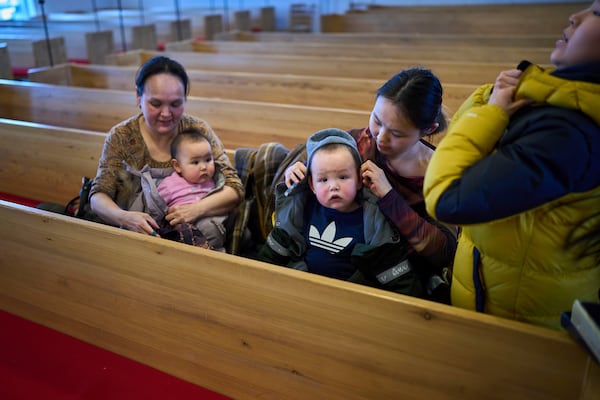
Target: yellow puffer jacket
{"type": "Point", "coordinates": [519, 187]}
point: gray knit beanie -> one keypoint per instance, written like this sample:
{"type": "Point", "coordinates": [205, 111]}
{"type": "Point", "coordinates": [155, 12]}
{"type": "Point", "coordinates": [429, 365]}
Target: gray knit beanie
{"type": "Point", "coordinates": [329, 136]}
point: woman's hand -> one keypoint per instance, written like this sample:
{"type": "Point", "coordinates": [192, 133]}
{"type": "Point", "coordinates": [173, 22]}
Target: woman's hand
{"type": "Point", "coordinates": [504, 92]}
{"type": "Point", "coordinates": [136, 221]}
{"type": "Point", "coordinates": [294, 173]}
{"type": "Point", "coordinates": [374, 178]}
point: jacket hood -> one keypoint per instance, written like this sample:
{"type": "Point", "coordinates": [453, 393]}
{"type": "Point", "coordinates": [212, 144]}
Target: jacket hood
{"type": "Point", "coordinates": [544, 87]}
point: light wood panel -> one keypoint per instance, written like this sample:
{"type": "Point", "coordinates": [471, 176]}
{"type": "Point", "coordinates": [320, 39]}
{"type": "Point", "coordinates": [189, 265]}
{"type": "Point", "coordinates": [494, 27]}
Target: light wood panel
{"type": "Point", "coordinates": [477, 19]}
{"type": "Point", "coordinates": [237, 123]}
{"type": "Point", "coordinates": [251, 330]}
{"type": "Point", "coordinates": [46, 162]}
{"type": "Point", "coordinates": [347, 67]}
{"type": "Point", "coordinates": [374, 52]}
{"type": "Point", "coordinates": [350, 93]}
{"type": "Point", "coordinates": [419, 39]}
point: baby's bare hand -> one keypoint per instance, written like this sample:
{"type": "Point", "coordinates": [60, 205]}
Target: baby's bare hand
{"type": "Point", "coordinates": [295, 173]}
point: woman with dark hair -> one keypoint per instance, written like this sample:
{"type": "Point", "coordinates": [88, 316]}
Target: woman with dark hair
{"type": "Point", "coordinates": [144, 141]}
{"type": "Point", "coordinates": [407, 110]}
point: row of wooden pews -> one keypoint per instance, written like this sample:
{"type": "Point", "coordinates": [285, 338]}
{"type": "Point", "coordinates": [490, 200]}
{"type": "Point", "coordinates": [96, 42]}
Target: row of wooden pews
{"type": "Point", "coordinates": [306, 90]}
{"type": "Point", "coordinates": [347, 67]}
{"type": "Point", "coordinates": [238, 123]}
{"type": "Point", "coordinates": [90, 37]}
{"type": "Point", "coordinates": [417, 38]}
{"type": "Point", "coordinates": [498, 19]}
{"type": "Point", "coordinates": [95, 36]}
{"type": "Point", "coordinates": [46, 162]}
{"type": "Point", "coordinates": [244, 328]}
{"type": "Point", "coordinates": [450, 51]}
{"type": "Point", "coordinates": [239, 327]}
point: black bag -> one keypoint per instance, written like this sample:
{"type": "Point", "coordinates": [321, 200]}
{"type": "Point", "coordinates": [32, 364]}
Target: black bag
{"type": "Point", "coordinates": [79, 206]}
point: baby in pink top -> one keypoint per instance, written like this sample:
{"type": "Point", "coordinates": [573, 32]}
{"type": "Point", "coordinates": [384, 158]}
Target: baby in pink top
{"type": "Point", "coordinates": [193, 179]}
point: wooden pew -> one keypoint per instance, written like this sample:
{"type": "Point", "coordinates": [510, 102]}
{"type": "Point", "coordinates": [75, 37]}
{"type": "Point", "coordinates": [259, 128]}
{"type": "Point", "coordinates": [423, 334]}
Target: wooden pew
{"type": "Point", "coordinates": [347, 67]}
{"type": "Point", "coordinates": [474, 53]}
{"type": "Point", "coordinates": [350, 93]}
{"type": "Point", "coordinates": [238, 123]}
{"type": "Point", "coordinates": [46, 162]}
{"type": "Point", "coordinates": [27, 52]}
{"type": "Point", "coordinates": [417, 39]}
{"type": "Point", "coordinates": [478, 19]}
{"type": "Point", "coordinates": [75, 26]}
{"type": "Point", "coordinates": [251, 330]}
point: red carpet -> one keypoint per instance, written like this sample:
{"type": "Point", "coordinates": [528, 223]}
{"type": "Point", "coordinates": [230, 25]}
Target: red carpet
{"type": "Point", "coordinates": [41, 363]}
{"type": "Point", "coordinates": [18, 199]}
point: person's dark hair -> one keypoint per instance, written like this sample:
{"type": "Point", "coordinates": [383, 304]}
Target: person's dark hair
{"type": "Point", "coordinates": [192, 135]}
{"type": "Point", "coordinates": [159, 65]}
{"type": "Point", "coordinates": [418, 92]}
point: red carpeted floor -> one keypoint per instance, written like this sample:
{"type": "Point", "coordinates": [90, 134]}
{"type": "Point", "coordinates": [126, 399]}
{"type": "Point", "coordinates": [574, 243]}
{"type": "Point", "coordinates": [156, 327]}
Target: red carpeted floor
{"type": "Point", "coordinates": [19, 200]}
{"type": "Point", "coordinates": [41, 363]}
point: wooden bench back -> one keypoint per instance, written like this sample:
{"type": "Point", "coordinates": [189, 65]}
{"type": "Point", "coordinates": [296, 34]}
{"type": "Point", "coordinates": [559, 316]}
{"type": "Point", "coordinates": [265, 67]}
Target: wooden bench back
{"type": "Point", "coordinates": [417, 39]}
{"type": "Point", "coordinates": [26, 51]}
{"type": "Point", "coordinates": [477, 19]}
{"type": "Point", "coordinates": [237, 123]}
{"type": "Point", "coordinates": [331, 92]}
{"type": "Point", "coordinates": [46, 162]}
{"type": "Point", "coordinates": [347, 67]}
{"type": "Point", "coordinates": [458, 53]}
{"type": "Point", "coordinates": [252, 330]}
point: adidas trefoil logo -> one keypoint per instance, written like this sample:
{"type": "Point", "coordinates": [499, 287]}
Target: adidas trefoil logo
{"type": "Point", "coordinates": [327, 240]}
